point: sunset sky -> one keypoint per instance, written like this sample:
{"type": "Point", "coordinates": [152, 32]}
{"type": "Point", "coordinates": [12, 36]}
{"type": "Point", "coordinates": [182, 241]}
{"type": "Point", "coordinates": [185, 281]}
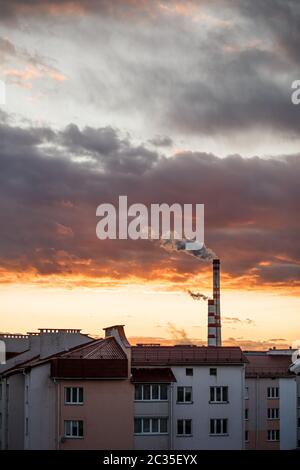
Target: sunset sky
{"type": "Point", "coordinates": [166, 102]}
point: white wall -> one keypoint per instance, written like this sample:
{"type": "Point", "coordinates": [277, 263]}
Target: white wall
{"type": "Point", "coordinates": [288, 414]}
{"type": "Point", "coordinates": [201, 411]}
{"type": "Point", "coordinates": [41, 410]}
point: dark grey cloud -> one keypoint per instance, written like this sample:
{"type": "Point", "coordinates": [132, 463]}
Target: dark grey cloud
{"type": "Point", "coordinates": [161, 141]}
{"type": "Point", "coordinates": [52, 181]}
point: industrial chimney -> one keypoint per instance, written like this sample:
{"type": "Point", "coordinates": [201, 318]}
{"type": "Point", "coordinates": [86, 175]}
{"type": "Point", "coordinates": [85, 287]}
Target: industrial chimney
{"type": "Point", "coordinates": [216, 297]}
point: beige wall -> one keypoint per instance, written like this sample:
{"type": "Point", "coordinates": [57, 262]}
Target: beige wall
{"type": "Point", "coordinates": [107, 414]}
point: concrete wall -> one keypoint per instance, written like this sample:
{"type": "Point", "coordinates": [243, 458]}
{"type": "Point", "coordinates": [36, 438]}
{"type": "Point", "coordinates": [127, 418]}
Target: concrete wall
{"type": "Point", "coordinates": [107, 414]}
{"type": "Point", "coordinates": [40, 409]}
{"type": "Point", "coordinates": [152, 409]}
{"type": "Point", "coordinates": [201, 411]}
{"type": "Point", "coordinates": [15, 413]}
{"type": "Point", "coordinates": [288, 415]}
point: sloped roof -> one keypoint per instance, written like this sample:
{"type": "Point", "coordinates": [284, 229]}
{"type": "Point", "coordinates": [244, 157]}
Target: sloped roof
{"type": "Point", "coordinates": [104, 348]}
{"type": "Point", "coordinates": [179, 355]}
{"type": "Point", "coordinates": [154, 375]}
{"type": "Point", "coordinates": [267, 366]}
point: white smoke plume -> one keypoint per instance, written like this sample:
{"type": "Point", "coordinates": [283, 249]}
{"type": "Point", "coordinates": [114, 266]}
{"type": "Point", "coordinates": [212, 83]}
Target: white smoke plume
{"type": "Point", "coordinates": [204, 254]}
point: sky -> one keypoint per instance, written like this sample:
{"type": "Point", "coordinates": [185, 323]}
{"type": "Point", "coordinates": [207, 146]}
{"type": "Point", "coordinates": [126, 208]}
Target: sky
{"type": "Point", "coordinates": [164, 101]}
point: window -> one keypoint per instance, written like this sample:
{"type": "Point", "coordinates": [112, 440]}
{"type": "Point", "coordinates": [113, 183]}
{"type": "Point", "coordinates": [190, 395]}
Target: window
{"type": "Point", "coordinates": [273, 435]}
{"type": "Point", "coordinates": [218, 426]}
{"type": "Point", "coordinates": [218, 394]}
{"type": "Point", "coordinates": [26, 426]}
{"type": "Point", "coordinates": [246, 436]}
{"type": "Point", "coordinates": [298, 422]}
{"type": "Point", "coordinates": [273, 392]}
{"type": "Point", "coordinates": [246, 413]}
{"type": "Point", "coordinates": [150, 425]}
{"type": "Point", "coordinates": [0, 420]}
{"type": "Point", "coordinates": [26, 394]}
{"type": "Point", "coordinates": [189, 371]}
{"type": "Point", "coordinates": [155, 392]}
{"type": "Point", "coordinates": [184, 427]}
{"type": "Point", "coordinates": [298, 400]}
{"type": "Point", "coordinates": [184, 394]}
{"type": "Point", "coordinates": [246, 393]}
{"type": "Point", "coordinates": [74, 395]}
{"type": "Point", "coordinates": [74, 428]}
{"type": "Point", "coordinates": [213, 371]}
{"type": "Point", "coordinates": [273, 413]}
{"type": "Point", "coordinates": [0, 391]}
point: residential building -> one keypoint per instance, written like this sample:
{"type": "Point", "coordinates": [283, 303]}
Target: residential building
{"type": "Point", "coordinates": [188, 397]}
{"type": "Point", "coordinates": [76, 399]}
{"type": "Point", "coordinates": [270, 401]}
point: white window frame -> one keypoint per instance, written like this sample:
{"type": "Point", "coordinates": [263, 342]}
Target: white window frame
{"type": "Point", "coordinates": [185, 388]}
{"type": "Point", "coordinates": [215, 433]}
{"type": "Point", "coordinates": [273, 393]}
{"type": "Point", "coordinates": [222, 393]}
{"type": "Point", "coordinates": [184, 434]}
{"type": "Point", "coordinates": [151, 393]}
{"type": "Point", "coordinates": [151, 418]}
{"type": "Point", "coordinates": [273, 414]}
{"type": "Point", "coordinates": [73, 436]}
{"type": "Point", "coordinates": [272, 435]}
{"type": "Point", "coordinates": [76, 402]}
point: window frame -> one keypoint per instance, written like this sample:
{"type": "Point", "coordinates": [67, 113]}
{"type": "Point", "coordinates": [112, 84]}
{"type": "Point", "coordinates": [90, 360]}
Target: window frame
{"type": "Point", "coordinates": [184, 401]}
{"type": "Point", "coordinates": [71, 421]}
{"type": "Point", "coordinates": [273, 393]}
{"type": "Point", "coordinates": [216, 422]}
{"type": "Point", "coordinates": [71, 389]}
{"type": "Point", "coordinates": [184, 433]}
{"type": "Point", "coordinates": [151, 419]}
{"type": "Point", "coordinates": [271, 432]}
{"type": "Point", "coordinates": [151, 385]}
{"type": "Point", "coordinates": [221, 389]}
{"type": "Point", "coordinates": [271, 411]}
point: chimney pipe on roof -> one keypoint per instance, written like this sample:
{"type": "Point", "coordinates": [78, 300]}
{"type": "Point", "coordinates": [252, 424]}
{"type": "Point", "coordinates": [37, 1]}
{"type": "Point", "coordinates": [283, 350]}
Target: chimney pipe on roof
{"type": "Point", "coordinates": [216, 297]}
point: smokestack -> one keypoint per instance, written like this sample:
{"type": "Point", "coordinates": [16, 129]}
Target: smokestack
{"type": "Point", "coordinates": [211, 326]}
{"type": "Point", "coordinates": [216, 297]}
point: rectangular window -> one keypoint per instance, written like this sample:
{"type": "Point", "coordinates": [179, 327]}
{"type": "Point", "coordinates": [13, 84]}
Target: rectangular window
{"type": "Point", "coordinates": [218, 394]}
{"type": "Point", "coordinates": [246, 414]}
{"type": "Point", "coordinates": [184, 427]}
{"type": "Point", "coordinates": [273, 435]}
{"type": "Point", "coordinates": [151, 392]}
{"type": "Point", "coordinates": [218, 426]}
{"type": "Point", "coordinates": [213, 371]}
{"type": "Point", "coordinates": [298, 422]}
{"type": "Point", "coordinates": [189, 371]}
{"type": "Point", "coordinates": [74, 428]}
{"type": "Point", "coordinates": [273, 392]}
{"type": "Point", "coordinates": [298, 402]}
{"type": "Point", "coordinates": [273, 413]}
{"type": "Point", "coordinates": [150, 425]}
{"type": "Point", "coordinates": [246, 393]}
{"type": "Point", "coordinates": [184, 394]}
{"type": "Point", "coordinates": [246, 436]}
{"type": "Point", "coordinates": [73, 395]}
{"type": "Point", "coordinates": [26, 426]}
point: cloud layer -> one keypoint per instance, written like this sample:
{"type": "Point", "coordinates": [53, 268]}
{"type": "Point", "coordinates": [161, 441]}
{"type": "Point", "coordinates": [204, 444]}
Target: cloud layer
{"type": "Point", "coordinates": [51, 182]}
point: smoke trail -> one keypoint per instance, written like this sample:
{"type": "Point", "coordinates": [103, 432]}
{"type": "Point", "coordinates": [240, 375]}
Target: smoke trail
{"type": "Point", "coordinates": [197, 295]}
{"type": "Point", "coordinates": [204, 254]}
{"type": "Point", "coordinates": [179, 334]}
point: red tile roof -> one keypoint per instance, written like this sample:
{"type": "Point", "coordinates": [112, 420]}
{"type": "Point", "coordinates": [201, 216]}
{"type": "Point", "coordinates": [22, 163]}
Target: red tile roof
{"type": "Point", "coordinates": [154, 375]}
{"type": "Point", "coordinates": [178, 355]}
{"type": "Point", "coordinates": [268, 366]}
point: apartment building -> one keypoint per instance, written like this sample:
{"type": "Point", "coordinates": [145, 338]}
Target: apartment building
{"type": "Point", "coordinates": [271, 401]}
{"type": "Point", "coordinates": [188, 397]}
{"type": "Point", "coordinates": [81, 398]}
